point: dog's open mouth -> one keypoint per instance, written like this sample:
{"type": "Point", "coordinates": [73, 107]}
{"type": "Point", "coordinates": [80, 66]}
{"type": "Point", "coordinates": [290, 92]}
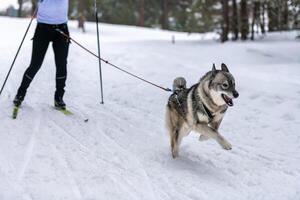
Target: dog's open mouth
{"type": "Point", "coordinates": [227, 100]}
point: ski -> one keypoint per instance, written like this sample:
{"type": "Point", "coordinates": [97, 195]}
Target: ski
{"type": "Point", "coordinates": [15, 112]}
{"type": "Point", "coordinates": [64, 111]}
{"type": "Point", "coordinates": [67, 112]}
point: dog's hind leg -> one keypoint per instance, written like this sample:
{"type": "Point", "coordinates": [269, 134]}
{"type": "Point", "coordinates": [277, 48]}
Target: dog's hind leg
{"type": "Point", "coordinates": [174, 143]}
{"type": "Point", "coordinates": [210, 132]}
{"type": "Point", "coordinates": [177, 130]}
{"type": "Point", "coordinates": [176, 140]}
{"type": "Point", "coordinates": [172, 122]}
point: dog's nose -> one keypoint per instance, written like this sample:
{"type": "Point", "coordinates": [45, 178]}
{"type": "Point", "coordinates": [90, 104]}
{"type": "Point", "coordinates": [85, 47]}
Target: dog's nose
{"type": "Point", "coordinates": [235, 94]}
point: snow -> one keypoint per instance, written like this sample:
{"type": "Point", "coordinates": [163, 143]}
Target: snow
{"type": "Point", "coordinates": [122, 152]}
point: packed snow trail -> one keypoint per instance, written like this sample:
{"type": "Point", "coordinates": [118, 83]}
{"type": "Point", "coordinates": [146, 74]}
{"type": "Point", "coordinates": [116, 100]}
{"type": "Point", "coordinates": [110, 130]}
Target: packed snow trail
{"type": "Point", "coordinates": [122, 151]}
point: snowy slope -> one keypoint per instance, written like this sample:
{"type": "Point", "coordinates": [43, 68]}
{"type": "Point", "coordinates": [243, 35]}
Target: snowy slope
{"type": "Point", "coordinates": [122, 152]}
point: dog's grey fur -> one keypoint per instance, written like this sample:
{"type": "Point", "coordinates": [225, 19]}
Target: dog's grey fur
{"type": "Point", "coordinates": [179, 84]}
{"type": "Point", "coordinates": [200, 108]}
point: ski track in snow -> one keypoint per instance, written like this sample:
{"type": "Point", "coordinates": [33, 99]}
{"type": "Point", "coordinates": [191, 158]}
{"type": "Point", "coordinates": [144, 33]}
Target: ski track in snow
{"type": "Point", "coordinates": [30, 148]}
{"type": "Point", "coordinates": [122, 151]}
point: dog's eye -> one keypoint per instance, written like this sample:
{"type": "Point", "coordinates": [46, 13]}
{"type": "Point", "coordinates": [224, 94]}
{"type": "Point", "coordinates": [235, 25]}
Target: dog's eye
{"type": "Point", "coordinates": [225, 85]}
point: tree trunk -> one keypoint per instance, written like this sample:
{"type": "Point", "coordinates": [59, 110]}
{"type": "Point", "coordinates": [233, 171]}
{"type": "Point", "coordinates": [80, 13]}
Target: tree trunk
{"type": "Point", "coordinates": [164, 21]}
{"type": "Point", "coordinates": [273, 16]}
{"type": "Point", "coordinates": [296, 21]}
{"type": "Point", "coordinates": [271, 23]}
{"type": "Point", "coordinates": [81, 13]}
{"type": "Point", "coordinates": [255, 17]}
{"type": "Point", "coordinates": [234, 22]}
{"type": "Point", "coordinates": [262, 17]}
{"type": "Point", "coordinates": [285, 16]}
{"type": "Point", "coordinates": [225, 21]}
{"type": "Point", "coordinates": [244, 20]}
{"type": "Point", "coordinates": [295, 8]}
{"type": "Point", "coordinates": [20, 8]}
{"type": "Point", "coordinates": [141, 13]}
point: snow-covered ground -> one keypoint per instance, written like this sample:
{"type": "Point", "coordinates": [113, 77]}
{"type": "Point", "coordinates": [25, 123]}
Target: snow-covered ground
{"type": "Point", "coordinates": [122, 152]}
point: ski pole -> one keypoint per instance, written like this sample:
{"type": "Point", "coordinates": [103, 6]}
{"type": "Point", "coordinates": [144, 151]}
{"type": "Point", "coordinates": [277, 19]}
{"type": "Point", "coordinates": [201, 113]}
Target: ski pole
{"type": "Point", "coordinates": [99, 55]}
{"type": "Point", "coordinates": [32, 17]}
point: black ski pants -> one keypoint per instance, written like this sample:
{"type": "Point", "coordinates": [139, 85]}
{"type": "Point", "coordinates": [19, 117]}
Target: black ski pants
{"type": "Point", "coordinates": [44, 34]}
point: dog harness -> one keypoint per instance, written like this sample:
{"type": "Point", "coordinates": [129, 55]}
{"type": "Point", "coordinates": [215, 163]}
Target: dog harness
{"type": "Point", "coordinates": [178, 101]}
{"type": "Point", "coordinates": [199, 106]}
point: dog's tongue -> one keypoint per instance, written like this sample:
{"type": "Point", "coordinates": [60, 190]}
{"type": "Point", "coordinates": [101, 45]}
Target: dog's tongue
{"type": "Point", "coordinates": [228, 100]}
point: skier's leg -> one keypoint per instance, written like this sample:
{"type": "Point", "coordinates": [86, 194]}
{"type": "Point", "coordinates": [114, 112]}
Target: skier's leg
{"type": "Point", "coordinates": [61, 49]}
{"type": "Point", "coordinates": [39, 49]}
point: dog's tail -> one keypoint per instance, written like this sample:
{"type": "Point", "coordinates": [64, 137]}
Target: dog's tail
{"type": "Point", "coordinates": [179, 83]}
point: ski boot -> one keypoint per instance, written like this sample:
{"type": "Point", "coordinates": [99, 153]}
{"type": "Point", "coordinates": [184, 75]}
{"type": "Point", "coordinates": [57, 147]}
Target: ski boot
{"type": "Point", "coordinates": [18, 100]}
{"type": "Point", "coordinates": [59, 103]}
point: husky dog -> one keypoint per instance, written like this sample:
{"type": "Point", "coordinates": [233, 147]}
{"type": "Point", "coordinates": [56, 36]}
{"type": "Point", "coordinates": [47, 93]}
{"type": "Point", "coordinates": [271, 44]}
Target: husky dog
{"type": "Point", "coordinates": [200, 108]}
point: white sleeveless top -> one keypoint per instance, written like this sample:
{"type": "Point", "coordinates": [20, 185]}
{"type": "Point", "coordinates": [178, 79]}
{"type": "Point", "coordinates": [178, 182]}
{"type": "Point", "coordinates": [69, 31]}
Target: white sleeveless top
{"type": "Point", "coordinates": [53, 11]}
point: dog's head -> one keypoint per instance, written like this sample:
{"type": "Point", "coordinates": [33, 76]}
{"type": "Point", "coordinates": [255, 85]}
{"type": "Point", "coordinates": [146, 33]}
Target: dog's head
{"type": "Point", "coordinates": [222, 86]}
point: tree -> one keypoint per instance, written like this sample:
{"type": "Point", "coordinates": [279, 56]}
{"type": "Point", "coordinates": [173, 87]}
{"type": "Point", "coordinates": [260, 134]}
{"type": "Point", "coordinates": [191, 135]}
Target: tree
{"type": "Point", "coordinates": [152, 13]}
{"type": "Point", "coordinates": [225, 16]}
{"type": "Point", "coordinates": [285, 15]}
{"type": "Point", "coordinates": [164, 20]}
{"type": "Point", "coordinates": [202, 16]}
{"type": "Point", "coordinates": [255, 17]}
{"type": "Point", "coordinates": [20, 2]}
{"type": "Point", "coordinates": [262, 17]}
{"type": "Point", "coordinates": [295, 12]}
{"type": "Point", "coordinates": [234, 21]}
{"type": "Point", "coordinates": [141, 13]}
{"type": "Point", "coordinates": [73, 8]}
{"type": "Point", "coordinates": [118, 12]}
{"type": "Point", "coordinates": [244, 20]}
{"type": "Point", "coordinates": [180, 13]}
{"type": "Point", "coordinates": [82, 9]}
{"type": "Point", "coordinates": [225, 21]}
{"type": "Point", "coordinates": [273, 15]}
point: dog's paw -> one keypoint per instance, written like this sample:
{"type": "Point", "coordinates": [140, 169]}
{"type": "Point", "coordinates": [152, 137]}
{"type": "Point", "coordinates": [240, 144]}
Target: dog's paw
{"type": "Point", "coordinates": [203, 138]}
{"type": "Point", "coordinates": [226, 145]}
{"type": "Point", "coordinates": [174, 154]}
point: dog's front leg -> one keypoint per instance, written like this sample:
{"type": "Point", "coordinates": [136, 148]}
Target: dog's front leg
{"type": "Point", "coordinates": [215, 126]}
{"type": "Point", "coordinates": [212, 133]}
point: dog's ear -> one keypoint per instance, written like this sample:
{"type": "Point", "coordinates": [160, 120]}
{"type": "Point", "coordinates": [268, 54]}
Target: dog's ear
{"type": "Point", "coordinates": [224, 67]}
{"type": "Point", "coordinates": [214, 71]}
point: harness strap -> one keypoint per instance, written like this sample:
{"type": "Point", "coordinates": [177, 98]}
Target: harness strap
{"type": "Point", "coordinates": [210, 116]}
